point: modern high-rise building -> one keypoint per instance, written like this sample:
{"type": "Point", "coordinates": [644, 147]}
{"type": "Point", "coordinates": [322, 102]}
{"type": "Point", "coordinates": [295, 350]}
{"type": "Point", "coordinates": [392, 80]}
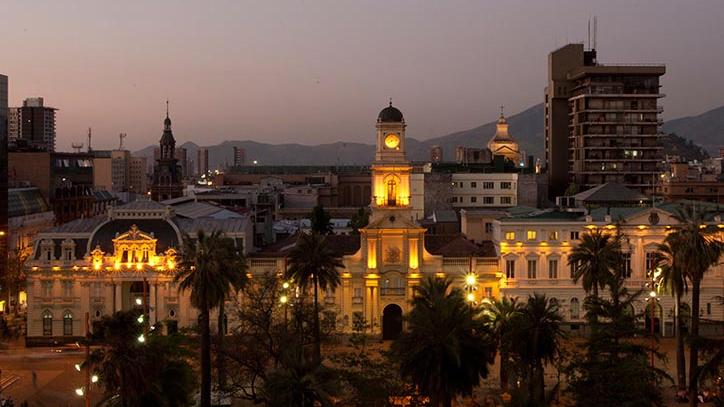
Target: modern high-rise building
{"type": "Point", "coordinates": [3, 168]}
{"type": "Point", "coordinates": [202, 160]}
{"type": "Point", "coordinates": [119, 171]}
{"type": "Point", "coordinates": [239, 156]}
{"type": "Point", "coordinates": [32, 126]}
{"type": "Point", "coordinates": [602, 122]}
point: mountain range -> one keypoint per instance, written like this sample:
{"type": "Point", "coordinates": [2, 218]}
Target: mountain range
{"type": "Point", "coordinates": [706, 130]}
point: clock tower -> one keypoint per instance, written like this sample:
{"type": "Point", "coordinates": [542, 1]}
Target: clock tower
{"type": "Point", "coordinates": [391, 170]}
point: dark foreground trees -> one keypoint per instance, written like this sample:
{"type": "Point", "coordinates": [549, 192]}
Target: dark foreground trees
{"type": "Point", "coordinates": [153, 371]}
{"type": "Point", "coordinates": [446, 349]}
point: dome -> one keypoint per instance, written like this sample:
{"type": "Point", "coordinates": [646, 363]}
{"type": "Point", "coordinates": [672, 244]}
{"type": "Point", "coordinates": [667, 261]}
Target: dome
{"type": "Point", "coordinates": [390, 114]}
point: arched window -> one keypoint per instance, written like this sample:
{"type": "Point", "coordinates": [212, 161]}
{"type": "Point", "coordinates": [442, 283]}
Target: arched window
{"type": "Point", "coordinates": [47, 323]}
{"type": "Point", "coordinates": [391, 193]}
{"type": "Point", "coordinates": [67, 323]}
{"type": "Point", "coordinates": [575, 308]}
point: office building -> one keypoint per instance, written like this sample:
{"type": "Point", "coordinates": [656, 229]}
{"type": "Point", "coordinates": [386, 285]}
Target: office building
{"type": "Point", "coordinates": [239, 156]}
{"type": "Point", "coordinates": [602, 122]}
{"type": "Point", "coordinates": [3, 168]}
{"type": "Point", "coordinates": [436, 154]}
{"type": "Point", "coordinates": [32, 126]}
{"type": "Point", "coordinates": [202, 161]}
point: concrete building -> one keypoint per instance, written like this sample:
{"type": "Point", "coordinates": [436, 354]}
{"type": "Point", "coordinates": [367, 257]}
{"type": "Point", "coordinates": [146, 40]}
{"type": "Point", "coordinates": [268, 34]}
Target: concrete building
{"type": "Point", "coordinates": [32, 126]}
{"type": "Point", "coordinates": [534, 249]}
{"type": "Point", "coordinates": [202, 161]}
{"type": "Point", "coordinates": [436, 154]}
{"type": "Point", "coordinates": [483, 190]}
{"type": "Point", "coordinates": [3, 169]}
{"type": "Point", "coordinates": [602, 122]}
{"type": "Point", "coordinates": [239, 156]}
{"type": "Point", "coordinates": [686, 181]}
{"type": "Point", "coordinates": [119, 171]}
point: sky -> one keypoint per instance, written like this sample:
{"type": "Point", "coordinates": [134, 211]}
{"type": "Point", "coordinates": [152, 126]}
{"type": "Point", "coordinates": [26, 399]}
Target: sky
{"type": "Point", "coordinates": [319, 71]}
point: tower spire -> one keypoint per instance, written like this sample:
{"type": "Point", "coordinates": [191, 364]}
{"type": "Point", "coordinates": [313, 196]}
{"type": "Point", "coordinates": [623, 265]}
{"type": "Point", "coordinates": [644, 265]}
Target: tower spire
{"type": "Point", "coordinates": [390, 102]}
{"type": "Point", "coordinates": [167, 108]}
{"type": "Point", "coordinates": [501, 111]}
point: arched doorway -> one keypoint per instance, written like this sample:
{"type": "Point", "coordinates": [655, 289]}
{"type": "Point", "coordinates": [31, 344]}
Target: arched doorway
{"type": "Point", "coordinates": [391, 322]}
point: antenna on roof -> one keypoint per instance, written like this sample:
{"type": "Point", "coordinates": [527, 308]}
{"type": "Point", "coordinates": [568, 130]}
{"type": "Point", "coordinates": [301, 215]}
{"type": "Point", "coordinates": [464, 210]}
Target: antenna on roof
{"type": "Point", "coordinates": [589, 33]}
{"type": "Point", "coordinates": [595, 30]}
{"type": "Point", "coordinates": [89, 140]}
{"type": "Point", "coordinates": [121, 136]}
{"type": "Point", "coordinates": [77, 147]}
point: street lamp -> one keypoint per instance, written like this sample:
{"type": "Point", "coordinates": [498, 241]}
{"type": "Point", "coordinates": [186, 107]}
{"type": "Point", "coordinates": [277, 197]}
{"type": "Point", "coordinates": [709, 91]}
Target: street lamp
{"type": "Point", "coordinates": [80, 391]}
{"type": "Point", "coordinates": [141, 338]}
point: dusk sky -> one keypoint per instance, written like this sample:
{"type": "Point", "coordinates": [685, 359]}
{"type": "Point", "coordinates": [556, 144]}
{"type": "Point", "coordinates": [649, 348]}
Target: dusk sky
{"type": "Point", "coordinates": [319, 71]}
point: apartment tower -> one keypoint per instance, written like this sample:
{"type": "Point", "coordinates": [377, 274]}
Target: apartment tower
{"type": "Point", "coordinates": [602, 122]}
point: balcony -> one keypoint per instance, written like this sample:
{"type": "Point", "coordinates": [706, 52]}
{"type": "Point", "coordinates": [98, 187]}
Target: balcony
{"type": "Point", "coordinates": [392, 291]}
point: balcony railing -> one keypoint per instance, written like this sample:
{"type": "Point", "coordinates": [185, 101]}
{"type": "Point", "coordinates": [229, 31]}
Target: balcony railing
{"type": "Point", "coordinates": [390, 291]}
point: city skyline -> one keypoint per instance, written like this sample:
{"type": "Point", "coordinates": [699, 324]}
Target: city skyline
{"type": "Point", "coordinates": [318, 73]}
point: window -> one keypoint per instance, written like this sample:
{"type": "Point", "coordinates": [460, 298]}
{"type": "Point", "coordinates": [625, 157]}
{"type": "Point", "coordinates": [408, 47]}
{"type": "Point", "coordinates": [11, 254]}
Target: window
{"type": "Point", "coordinates": [461, 184]}
{"type": "Point", "coordinates": [473, 199]}
{"type": "Point", "coordinates": [488, 200]}
{"type": "Point", "coordinates": [357, 299]}
{"type": "Point", "coordinates": [574, 235]}
{"type": "Point", "coordinates": [708, 308]}
{"type": "Point", "coordinates": [650, 263]}
{"type": "Point", "coordinates": [488, 292]}
{"type": "Point", "coordinates": [473, 184]}
{"type": "Point", "coordinates": [553, 235]}
{"type": "Point", "coordinates": [47, 323]}
{"type": "Point", "coordinates": [510, 269]}
{"type": "Point", "coordinates": [454, 199]}
{"type": "Point", "coordinates": [67, 323]}
{"type": "Point", "coordinates": [488, 227]}
{"type": "Point", "coordinates": [506, 200]}
{"type": "Point", "coordinates": [47, 288]}
{"type": "Point", "coordinates": [532, 265]}
{"type": "Point", "coordinates": [553, 269]}
{"type": "Point", "coordinates": [509, 235]}
{"type": "Point", "coordinates": [575, 308]}
{"type": "Point", "coordinates": [573, 267]}
{"type": "Point", "coordinates": [488, 185]}
{"type": "Point", "coordinates": [532, 235]}
{"type": "Point", "coordinates": [626, 265]}
{"type": "Point", "coordinates": [505, 185]}
{"type": "Point", "coordinates": [67, 288]}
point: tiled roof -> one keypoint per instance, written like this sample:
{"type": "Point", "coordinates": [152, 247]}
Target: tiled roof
{"type": "Point", "coordinates": [457, 246]}
{"type": "Point", "coordinates": [610, 192]}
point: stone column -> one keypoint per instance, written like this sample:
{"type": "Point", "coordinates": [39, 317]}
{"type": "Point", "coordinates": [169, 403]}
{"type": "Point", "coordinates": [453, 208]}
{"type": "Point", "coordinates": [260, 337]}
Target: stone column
{"type": "Point", "coordinates": [346, 302]}
{"type": "Point", "coordinates": [118, 296]}
{"type": "Point", "coordinates": [152, 308]}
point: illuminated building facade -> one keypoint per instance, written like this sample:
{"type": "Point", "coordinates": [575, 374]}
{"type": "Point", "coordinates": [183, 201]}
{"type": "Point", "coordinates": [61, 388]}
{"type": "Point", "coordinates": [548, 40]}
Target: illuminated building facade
{"type": "Point", "coordinates": [534, 249]}
{"type": "Point", "coordinates": [119, 261]}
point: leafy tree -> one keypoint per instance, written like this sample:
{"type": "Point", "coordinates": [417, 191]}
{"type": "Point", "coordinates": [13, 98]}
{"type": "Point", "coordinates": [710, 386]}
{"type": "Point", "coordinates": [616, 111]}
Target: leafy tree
{"type": "Point", "coordinates": [14, 276]}
{"type": "Point", "coordinates": [313, 262]}
{"type": "Point", "coordinates": [615, 371]}
{"type": "Point", "coordinates": [595, 258]}
{"type": "Point", "coordinates": [360, 219]}
{"type": "Point", "coordinates": [150, 373]}
{"type": "Point", "coordinates": [673, 280]}
{"type": "Point", "coordinates": [501, 316]}
{"type": "Point", "coordinates": [321, 220]}
{"type": "Point", "coordinates": [698, 250]}
{"type": "Point", "coordinates": [535, 340]}
{"type": "Point", "coordinates": [210, 268]}
{"type": "Point", "coordinates": [446, 349]}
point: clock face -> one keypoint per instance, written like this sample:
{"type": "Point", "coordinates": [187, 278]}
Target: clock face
{"type": "Point", "coordinates": [392, 140]}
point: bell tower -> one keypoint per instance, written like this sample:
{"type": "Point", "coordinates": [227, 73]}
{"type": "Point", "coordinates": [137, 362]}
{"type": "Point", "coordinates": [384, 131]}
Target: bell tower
{"type": "Point", "coordinates": [390, 170]}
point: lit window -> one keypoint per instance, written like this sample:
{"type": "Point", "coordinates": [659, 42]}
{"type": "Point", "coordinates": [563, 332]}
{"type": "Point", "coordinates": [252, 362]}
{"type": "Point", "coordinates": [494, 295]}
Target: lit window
{"type": "Point", "coordinates": [627, 265]}
{"type": "Point", "coordinates": [509, 235]}
{"type": "Point", "coordinates": [532, 234]}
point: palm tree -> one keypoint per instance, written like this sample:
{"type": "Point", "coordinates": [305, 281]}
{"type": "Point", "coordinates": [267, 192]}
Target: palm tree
{"type": "Point", "coordinates": [210, 268]}
{"type": "Point", "coordinates": [313, 261]}
{"type": "Point", "coordinates": [698, 250]}
{"type": "Point", "coordinates": [673, 281]}
{"type": "Point", "coordinates": [446, 349]}
{"type": "Point", "coordinates": [595, 258]}
{"type": "Point", "coordinates": [537, 340]}
{"type": "Point", "coordinates": [499, 316]}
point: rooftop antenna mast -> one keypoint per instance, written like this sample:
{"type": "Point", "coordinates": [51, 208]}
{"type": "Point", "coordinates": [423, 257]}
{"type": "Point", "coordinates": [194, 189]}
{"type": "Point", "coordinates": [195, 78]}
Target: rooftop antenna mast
{"type": "Point", "coordinates": [89, 140]}
{"type": "Point", "coordinates": [77, 147]}
{"type": "Point", "coordinates": [589, 33]}
{"type": "Point", "coordinates": [121, 136]}
{"type": "Point", "coordinates": [595, 30]}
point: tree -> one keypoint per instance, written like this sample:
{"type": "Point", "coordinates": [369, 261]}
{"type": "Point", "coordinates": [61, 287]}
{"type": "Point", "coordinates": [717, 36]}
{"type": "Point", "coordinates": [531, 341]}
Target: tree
{"type": "Point", "coordinates": [321, 220]}
{"type": "Point", "coordinates": [699, 249]}
{"type": "Point", "coordinates": [615, 371]}
{"type": "Point", "coordinates": [150, 373]}
{"type": "Point", "coordinates": [360, 219]}
{"type": "Point", "coordinates": [312, 261]}
{"type": "Point", "coordinates": [673, 280]}
{"type": "Point", "coordinates": [594, 258]}
{"type": "Point", "coordinates": [14, 276]}
{"type": "Point", "coordinates": [210, 268]}
{"type": "Point", "coordinates": [500, 317]}
{"type": "Point", "coordinates": [446, 349]}
{"type": "Point", "coordinates": [536, 339]}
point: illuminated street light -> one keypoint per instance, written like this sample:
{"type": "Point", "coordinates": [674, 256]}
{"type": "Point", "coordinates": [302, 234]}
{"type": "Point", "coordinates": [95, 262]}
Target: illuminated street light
{"type": "Point", "coordinates": [140, 319]}
{"type": "Point", "coordinates": [471, 280]}
{"type": "Point", "coordinates": [652, 294]}
{"type": "Point", "coordinates": [283, 299]}
{"type": "Point", "coordinates": [94, 378]}
{"type": "Point", "coordinates": [470, 297]}
{"type": "Point", "coordinates": [139, 301]}
{"type": "Point", "coordinates": [141, 338]}
{"type": "Point", "coordinates": [285, 285]}
{"type": "Point", "coordinates": [79, 391]}
{"type": "Point", "coordinates": [77, 367]}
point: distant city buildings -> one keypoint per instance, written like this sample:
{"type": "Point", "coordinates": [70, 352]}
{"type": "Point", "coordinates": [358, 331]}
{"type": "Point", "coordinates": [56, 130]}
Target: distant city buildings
{"type": "Point", "coordinates": [32, 126]}
{"type": "Point", "coordinates": [239, 156]}
{"type": "Point", "coordinates": [602, 122]}
{"type": "Point", "coordinates": [3, 168]}
{"type": "Point", "coordinates": [119, 171]}
{"type": "Point", "coordinates": [202, 161]}
{"type": "Point", "coordinates": [503, 143]}
{"type": "Point", "coordinates": [693, 181]}
{"type": "Point", "coordinates": [436, 154]}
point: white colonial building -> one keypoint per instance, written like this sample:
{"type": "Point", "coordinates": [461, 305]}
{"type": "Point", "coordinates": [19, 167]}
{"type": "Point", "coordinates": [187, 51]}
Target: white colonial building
{"type": "Point", "coordinates": [534, 249]}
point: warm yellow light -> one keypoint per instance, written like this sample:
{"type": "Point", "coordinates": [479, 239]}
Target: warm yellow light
{"type": "Point", "coordinates": [285, 285]}
{"type": "Point", "coordinates": [590, 227]}
{"type": "Point", "coordinates": [652, 294]}
{"type": "Point", "coordinates": [152, 261]}
{"type": "Point", "coordinates": [96, 266]}
{"type": "Point", "coordinates": [139, 301]}
{"type": "Point", "coordinates": [22, 297]}
{"type": "Point", "coordinates": [94, 378]}
{"type": "Point", "coordinates": [117, 266]}
{"type": "Point", "coordinates": [371, 254]}
{"type": "Point", "coordinates": [56, 268]}
{"type": "Point", "coordinates": [413, 254]}
{"type": "Point", "coordinates": [75, 268]}
{"type": "Point", "coordinates": [129, 265]}
{"type": "Point", "coordinates": [283, 299]}
{"type": "Point", "coordinates": [2, 233]}
{"type": "Point", "coordinates": [642, 227]}
{"type": "Point", "coordinates": [392, 141]}
{"type": "Point", "coordinates": [139, 266]}
{"type": "Point", "coordinates": [79, 391]}
{"type": "Point", "coordinates": [170, 265]}
{"type": "Point", "coordinates": [141, 338]}
{"type": "Point", "coordinates": [77, 367]}
{"type": "Point", "coordinates": [35, 268]}
{"type": "Point", "coordinates": [440, 275]}
{"type": "Point", "coordinates": [470, 297]}
{"type": "Point", "coordinates": [509, 235]}
{"type": "Point", "coordinates": [471, 280]}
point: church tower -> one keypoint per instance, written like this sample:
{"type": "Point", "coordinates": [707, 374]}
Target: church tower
{"type": "Point", "coordinates": [390, 170]}
{"type": "Point", "coordinates": [167, 182]}
{"type": "Point", "coordinates": [503, 143]}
